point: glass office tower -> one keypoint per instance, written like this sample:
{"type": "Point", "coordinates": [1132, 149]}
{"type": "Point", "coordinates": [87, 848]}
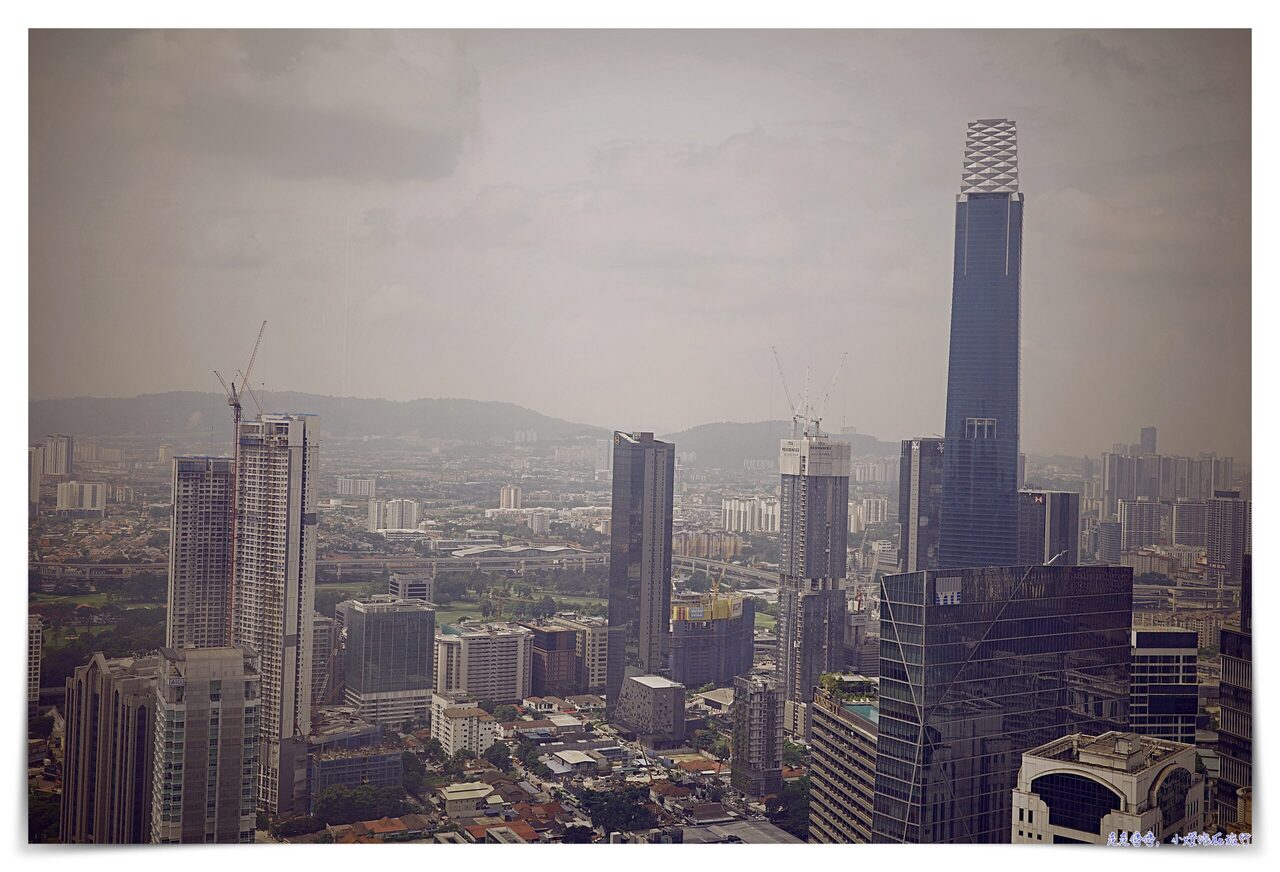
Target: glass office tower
{"type": "Point", "coordinates": [639, 559]}
{"type": "Point", "coordinates": [976, 667]}
{"type": "Point", "coordinates": [980, 463]}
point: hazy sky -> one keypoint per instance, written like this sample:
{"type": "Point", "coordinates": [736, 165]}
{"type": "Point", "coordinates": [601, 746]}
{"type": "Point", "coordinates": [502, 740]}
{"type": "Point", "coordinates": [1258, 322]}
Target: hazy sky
{"type": "Point", "coordinates": [614, 227]}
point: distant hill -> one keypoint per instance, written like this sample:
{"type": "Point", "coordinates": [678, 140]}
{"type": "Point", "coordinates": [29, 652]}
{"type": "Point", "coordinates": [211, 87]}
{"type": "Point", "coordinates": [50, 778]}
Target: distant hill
{"type": "Point", "coordinates": [189, 412]}
{"type": "Point", "coordinates": [727, 444]}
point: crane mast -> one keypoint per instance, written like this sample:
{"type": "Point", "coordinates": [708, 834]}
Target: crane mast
{"type": "Point", "coordinates": [234, 396]}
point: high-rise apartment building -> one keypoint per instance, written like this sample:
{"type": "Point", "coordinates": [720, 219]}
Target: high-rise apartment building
{"type": "Point", "coordinates": [349, 486]}
{"type": "Point", "coordinates": [273, 591]}
{"type": "Point", "coordinates": [1190, 523]}
{"type": "Point", "coordinates": [59, 456]}
{"type": "Point", "coordinates": [1108, 547]}
{"type": "Point", "coordinates": [712, 639]}
{"type": "Point", "coordinates": [920, 502]}
{"type": "Point", "coordinates": [979, 665]}
{"type": "Point", "coordinates": [1141, 523]}
{"type": "Point", "coordinates": [205, 750]}
{"type": "Point", "coordinates": [813, 556]}
{"type": "Point", "coordinates": [1163, 689]}
{"type": "Point", "coordinates": [1083, 789]}
{"type": "Point", "coordinates": [749, 514]}
{"type": "Point", "coordinates": [756, 758]}
{"type": "Point", "coordinates": [389, 659]}
{"type": "Point", "coordinates": [398, 514]}
{"type": "Point", "coordinates": [485, 661]}
{"type": "Point", "coordinates": [1048, 527]}
{"type": "Point", "coordinates": [200, 553]}
{"type": "Point", "coordinates": [980, 463]}
{"type": "Point", "coordinates": [843, 769]}
{"type": "Point", "coordinates": [82, 497]}
{"type": "Point", "coordinates": [640, 557]}
{"type": "Point", "coordinates": [509, 497]}
{"type": "Point", "coordinates": [1161, 478]}
{"type": "Point", "coordinates": [109, 751]}
{"type": "Point", "coordinates": [1228, 537]}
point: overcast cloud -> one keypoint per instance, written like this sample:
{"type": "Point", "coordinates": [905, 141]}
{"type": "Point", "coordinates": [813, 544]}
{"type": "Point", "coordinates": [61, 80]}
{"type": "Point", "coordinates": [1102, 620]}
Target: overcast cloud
{"type": "Point", "coordinates": [615, 227]}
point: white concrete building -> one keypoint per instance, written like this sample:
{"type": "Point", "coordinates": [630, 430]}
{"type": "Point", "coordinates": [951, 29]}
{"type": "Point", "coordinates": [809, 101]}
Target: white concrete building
{"type": "Point", "coordinates": [349, 486]}
{"type": "Point", "coordinates": [1081, 789]}
{"type": "Point", "coordinates": [82, 496]}
{"type": "Point", "coordinates": [459, 725]}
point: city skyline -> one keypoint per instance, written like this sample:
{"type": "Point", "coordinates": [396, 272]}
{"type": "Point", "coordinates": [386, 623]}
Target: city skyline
{"type": "Point", "coordinates": [986, 586]}
{"type": "Point", "coordinates": [843, 142]}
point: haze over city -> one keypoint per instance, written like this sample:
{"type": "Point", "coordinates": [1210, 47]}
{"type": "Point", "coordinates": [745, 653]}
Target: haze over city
{"type": "Point", "coordinates": [614, 228]}
{"type": "Point", "coordinates": [640, 437]}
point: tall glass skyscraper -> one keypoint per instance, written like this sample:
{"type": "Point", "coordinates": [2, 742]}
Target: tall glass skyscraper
{"type": "Point", "coordinates": [980, 463]}
{"type": "Point", "coordinates": [979, 665]}
{"type": "Point", "coordinates": [639, 559]}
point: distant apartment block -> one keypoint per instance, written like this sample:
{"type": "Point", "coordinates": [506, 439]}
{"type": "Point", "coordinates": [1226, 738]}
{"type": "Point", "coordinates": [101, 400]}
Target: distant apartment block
{"type": "Point", "coordinates": [349, 486]}
{"type": "Point", "coordinates": [82, 497]}
{"type": "Point", "coordinates": [749, 514]}
{"type": "Point", "coordinates": [59, 456]}
{"type": "Point", "coordinates": [509, 497]}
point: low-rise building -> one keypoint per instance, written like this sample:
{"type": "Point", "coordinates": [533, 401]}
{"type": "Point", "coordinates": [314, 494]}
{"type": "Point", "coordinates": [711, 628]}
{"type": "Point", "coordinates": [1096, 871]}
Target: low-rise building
{"type": "Point", "coordinates": [652, 707]}
{"type": "Point", "coordinates": [466, 800]}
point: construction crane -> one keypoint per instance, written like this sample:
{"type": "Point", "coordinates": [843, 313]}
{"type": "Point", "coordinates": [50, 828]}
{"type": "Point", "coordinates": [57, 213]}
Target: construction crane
{"type": "Point", "coordinates": [804, 413]}
{"type": "Point", "coordinates": [234, 396]}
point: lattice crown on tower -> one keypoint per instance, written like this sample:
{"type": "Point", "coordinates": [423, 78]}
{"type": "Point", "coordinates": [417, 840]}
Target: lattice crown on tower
{"type": "Point", "coordinates": [991, 157]}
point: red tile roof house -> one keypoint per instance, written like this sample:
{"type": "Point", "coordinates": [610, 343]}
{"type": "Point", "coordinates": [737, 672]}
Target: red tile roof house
{"type": "Point", "coordinates": [475, 832]}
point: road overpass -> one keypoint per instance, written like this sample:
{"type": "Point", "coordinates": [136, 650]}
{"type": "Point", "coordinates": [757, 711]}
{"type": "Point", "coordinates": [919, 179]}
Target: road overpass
{"type": "Point", "coordinates": [743, 575]}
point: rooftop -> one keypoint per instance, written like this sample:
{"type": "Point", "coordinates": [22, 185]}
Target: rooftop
{"type": "Point", "coordinates": [655, 681]}
{"type": "Point", "coordinates": [466, 790]}
{"type": "Point", "coordinates": [1115, 750]}
{"type": "Point", "coordinates": [868, 711]}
